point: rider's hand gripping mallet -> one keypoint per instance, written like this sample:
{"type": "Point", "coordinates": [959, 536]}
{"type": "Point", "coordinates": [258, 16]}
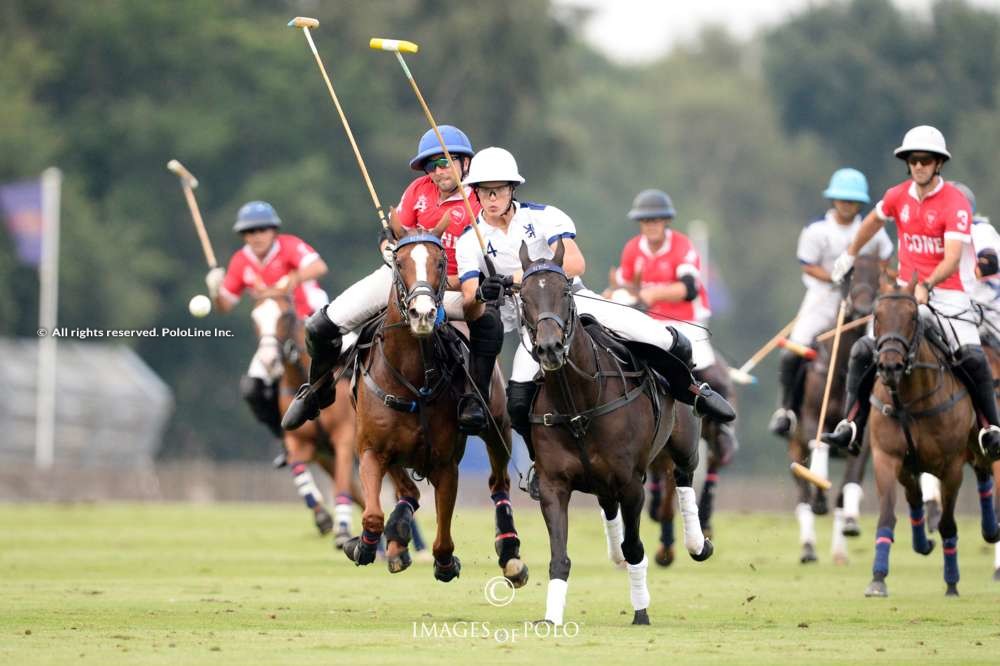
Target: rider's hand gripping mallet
{"type": "Point", "coordinates": [306, 23]}
{"type": "Point", "coordinates": [397, 46]}
{"type": "Point", "coordinates": [188, 183]}
{"type": "Point", "coordinates": [819, 462]}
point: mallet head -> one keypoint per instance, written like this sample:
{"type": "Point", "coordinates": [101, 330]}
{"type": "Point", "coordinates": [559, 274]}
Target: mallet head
{"type": "Point", "coordinates": [397, 45]}
{"type": "Point", "coordinates": [303, 22]}
{"type": "Point", "coordinates": [182, 173]}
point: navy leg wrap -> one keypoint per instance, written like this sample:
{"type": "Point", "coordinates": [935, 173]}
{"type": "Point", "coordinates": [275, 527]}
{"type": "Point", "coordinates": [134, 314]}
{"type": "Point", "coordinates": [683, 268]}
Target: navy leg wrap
{"type": "Point", "coordinates": [950, 560]}
{"type": "Point", "coordinates": [919, 526]}
{"type": "Point", "coordinates": [988, 516]}
{"type": "Point", "coordinates": [667, 532]}
{"type": "Point", "coordinates": [883, 542]}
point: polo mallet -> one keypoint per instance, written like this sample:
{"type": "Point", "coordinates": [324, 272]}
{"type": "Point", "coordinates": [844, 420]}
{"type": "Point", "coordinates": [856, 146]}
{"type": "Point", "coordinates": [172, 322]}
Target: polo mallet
{"type": "Point", "coordinates": [306, 23]}
{"type": "Point", "coordinates": [742, 374]}
{"type": "Point", "coordinates": [862, 321]}
{"type": "Point", "coordinates": [188, 184]}
{"type": "Point", "coordinates": [819, 461]}
{"type": "Point", "coordinates": [397, 46]}
{"type": "Point", "coordinates": [806, 474]}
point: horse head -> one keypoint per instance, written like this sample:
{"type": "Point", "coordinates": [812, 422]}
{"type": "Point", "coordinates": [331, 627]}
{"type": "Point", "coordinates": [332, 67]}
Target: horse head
{"type": "Point", "coordinates": [275, 321]}
{"type": "Point", "coordinates": [863, 286]}
{"type": "Point", "coordinates": [547, 308]}
{"type": "Point", "coordinates": [420, 274]}
{"type": "Point", "coordinates": [897, 329]}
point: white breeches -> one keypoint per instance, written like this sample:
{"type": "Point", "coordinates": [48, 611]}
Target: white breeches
{"type": "Point", "coordinates": [959, 321]}
{"type": "Point", "coordinates": [702, 354]}
{"type": "Point", "coordinates": [817, 314]}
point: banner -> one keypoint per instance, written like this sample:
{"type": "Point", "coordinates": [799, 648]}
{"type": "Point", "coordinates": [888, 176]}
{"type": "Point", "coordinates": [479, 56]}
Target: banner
{"type": "Point", "coordinates": [21, 204]}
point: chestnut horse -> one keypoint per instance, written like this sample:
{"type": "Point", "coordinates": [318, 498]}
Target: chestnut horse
{"type": "Point", "coordinates": [329, 440]}
{"type": "Point", "coordinates": [409, 380]}
{"type": "Point", "coordinates": [922, 420]}
{"type": "Point", "coordinates": [597, 421]}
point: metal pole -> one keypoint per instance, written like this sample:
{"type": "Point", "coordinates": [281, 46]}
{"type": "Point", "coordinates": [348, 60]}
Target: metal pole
{"type": "Point", "coordinates": [47, 320]}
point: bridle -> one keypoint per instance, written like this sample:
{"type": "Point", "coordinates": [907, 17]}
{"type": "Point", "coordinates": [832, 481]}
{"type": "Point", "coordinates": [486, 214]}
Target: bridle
{"type": "Point", "coordinates": [893, 341]}
{"type": "Point", "coordinates": [404, 296]}
{"type": "Point", "coordinates": [566, 324]}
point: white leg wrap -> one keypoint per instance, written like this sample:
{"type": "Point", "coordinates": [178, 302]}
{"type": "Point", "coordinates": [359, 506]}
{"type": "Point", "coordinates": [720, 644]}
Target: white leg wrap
{"type": "Point", "coordinates": [807, 523]}
{"type": "Point", "coordinates": [637, 583]}
{"type": "Point", "coordinates": [614, 531]}
{"type": "Point", "coordinates": [342, 514]}
{"type": "Point", "coordinates": [930, 487]}
{"type": "Point", "coordinates": [555, 601]}
{"type": "Point", "coordinates": [996, 556]}
{"type": "Point", "coordinates": [838, 545]}
{"type": "Point", "coordinates": [852, 500]}
{"type": "Point", "coordinates": [694, 540]}
{"type": "Point", "coordinates": [819, 461]}
{"type": "Point", "coordinates": [306, 486]}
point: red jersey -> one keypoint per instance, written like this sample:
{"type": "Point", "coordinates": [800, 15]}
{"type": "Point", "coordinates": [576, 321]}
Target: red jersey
{"type": "Point", "coordinates": [675, 259]}
{"type": "Point", "coordinates": [288, 253]}
{"type": "Point", "coordinates": [923, 226]}
{"type": "Point", "coordinates": [421, 206]}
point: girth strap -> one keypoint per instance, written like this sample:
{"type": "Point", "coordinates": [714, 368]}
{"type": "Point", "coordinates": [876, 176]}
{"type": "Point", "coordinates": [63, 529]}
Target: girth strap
{"type": "Point", "coordinates": [578, 423]}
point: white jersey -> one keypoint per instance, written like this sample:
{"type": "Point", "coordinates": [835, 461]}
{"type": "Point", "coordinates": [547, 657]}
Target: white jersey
{"type": "Point", "coordinates": [537, 225]}
{"type": "Point", "coordinates": [984, 237]}
{"type": "Point", "coordinates": [822, 241]}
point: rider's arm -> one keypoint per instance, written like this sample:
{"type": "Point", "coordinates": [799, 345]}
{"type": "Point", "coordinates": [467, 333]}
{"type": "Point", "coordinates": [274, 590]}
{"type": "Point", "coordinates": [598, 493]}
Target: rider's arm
{"type": "Point", "coordinates": [869, 227]}
{"type": "Point", "coordinates": [311, 271]}
{"type": "Point", "coordinates": [473, 309]}
{"type": "Point", "coordinates": [952, 257]}
{"type": "Point", "coordinates": [673, 292]}
{"type": "Point", "coordinates": [573, 262]}
{"type": "Point", "coordinates": [817, 272]}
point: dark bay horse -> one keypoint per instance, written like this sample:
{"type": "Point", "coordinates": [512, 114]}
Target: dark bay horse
{"type": "Point", "coordinates": [922, 420]}
{"type": "Point", "coordinates": [812, 500]}
{"type": "Point", "coordinates": [329, 440]}
{"type": "Point", "coordinates": [596, 424]}
{"type": "Point", "coordinates": [409, 380]}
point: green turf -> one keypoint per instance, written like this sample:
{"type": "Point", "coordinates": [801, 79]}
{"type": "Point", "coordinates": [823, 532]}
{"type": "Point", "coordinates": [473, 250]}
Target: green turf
{"type": "Point", "coordinates": [253, 584]}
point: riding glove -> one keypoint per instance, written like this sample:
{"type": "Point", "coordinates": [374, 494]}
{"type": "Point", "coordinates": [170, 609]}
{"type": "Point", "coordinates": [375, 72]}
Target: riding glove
{"type": "Point", "coordinates": [214, 280]}
{"type": "Point", "coordinates": [841, 267]}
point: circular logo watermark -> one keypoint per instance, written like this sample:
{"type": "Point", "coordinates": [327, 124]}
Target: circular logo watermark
{"type": "Point", "coordinates": [499, 591]}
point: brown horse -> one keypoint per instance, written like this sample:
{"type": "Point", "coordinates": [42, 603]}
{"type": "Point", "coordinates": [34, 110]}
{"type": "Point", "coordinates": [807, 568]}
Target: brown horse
{"type": "Point", "coordinates": [329, 440]}
{"type": "Point", "coordinates": [812, 500]}
{"type": "Point", "coordinates": [597, 421]}
{"type": "Point", "coordinates": [922, 420]}
{"type": "Point", "coordinates": [408, 385]}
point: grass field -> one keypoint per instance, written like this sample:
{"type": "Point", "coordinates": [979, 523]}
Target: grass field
{"type": "Point", "coordinates": [253, 584]}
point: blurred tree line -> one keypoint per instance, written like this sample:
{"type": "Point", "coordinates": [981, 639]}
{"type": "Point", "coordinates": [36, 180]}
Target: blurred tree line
{"type": "Point", "coordinates": [742, 134]}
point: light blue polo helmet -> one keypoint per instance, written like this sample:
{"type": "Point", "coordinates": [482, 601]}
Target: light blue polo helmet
{"type": "Point", "coordinates": [454, 139]}
{"type": "Point", "coordinates": [848, 185]}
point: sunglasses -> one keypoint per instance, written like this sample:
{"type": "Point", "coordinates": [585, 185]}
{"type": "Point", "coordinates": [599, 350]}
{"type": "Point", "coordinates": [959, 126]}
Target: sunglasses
{"type": "Point", "coordinates": [431, 166]}
{"type": "Point", "coordinates": [492, 192]}
{"type": "Point", "coordinates": [922, 160]}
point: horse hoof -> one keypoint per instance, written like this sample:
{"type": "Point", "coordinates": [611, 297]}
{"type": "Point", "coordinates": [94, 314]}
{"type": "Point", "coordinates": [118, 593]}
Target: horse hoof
{"type": "Point", "coordinates": [932, 509]}
{"type": "Point", "coordinates": [399, 563]}
{"type": "Point", "coordinates": [996, 575]}
{"type": "Point", "coordinates": [819, 504]}
{"type": "Point", "coordinates": [840, 559]}
{"type": "Point", "coordinates": [641, 617]}
{"type": "Point", "coordinates": [929, 550]}
{"type": "Point", "coordinates": [877, 588]}
{"type": "Point", "coordinates": [342, 536]}
{"type": "Point", "coordinates": [324, 521]}
{"type": "Point", "coordinates": [360, 553]}
{"type": "Point", "coordinates": [952, 590]}
{"type": "Point", "coordinates": [706, 552]}
{"type": "Point", "coordinates": [516, 572]}
{"type": "Point", "coordinates": [992, 537]}
{"type": "Point", "coordinates": [851, 527]}
{"type": "Point", "coordinates": [665, 556]}
{"type": "Point", "coordinates": [808, 554]}
{"type": "Point", "coordinates": [448, 572]}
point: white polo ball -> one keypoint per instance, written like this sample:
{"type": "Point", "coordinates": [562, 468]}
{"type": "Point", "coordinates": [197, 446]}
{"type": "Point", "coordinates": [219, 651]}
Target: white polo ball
{"type": "Point", "coordinates": [200, 306]}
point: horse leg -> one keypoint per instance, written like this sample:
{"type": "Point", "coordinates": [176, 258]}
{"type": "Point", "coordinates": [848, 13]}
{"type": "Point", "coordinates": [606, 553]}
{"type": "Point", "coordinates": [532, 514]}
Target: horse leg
{"type": "Point", "coordinates": [361, 549]}
{"type": "Point", "coordinates": [996, 507]}
{"type": "Point", "coordinates": [446, 566]}
{"type": "Point", "coordinates": [950, 484]}
{"type": "Point", "coordinates": [635, 555]}
{"type": "Point", "coordinates": [697, 545]}
{"type": "Point", "coordinates": [555, 503]}
{"type": "Point", "coordinates": [613, 529]}
{"type": "Point", "coordinates": [506, 542]}
{"type": "Point", "coordinates": [707, 500]}
{"type": "Point", "coordinates": [300, 454]}
{"type": "Point", "coordinates": [914, 498]}
{"type": "Point", "coordinates": [930, 488]}
{"type": "Point", "coordinates": [665, 553]}
{"type": "Point", "coordinates": [887, 470]}
{"type": "Point", "coordinates": [854, 474]}
{"type": "Point", "coordinates": [988, 516]}
{"type": "Point", "coordinates": [398, 528]}
{"type": "Point", "coordinates": [342, 436]}
{"type": "Point", "coordinates": [654, 484]}
{"type": "Point", "coordinates": [803, 509]}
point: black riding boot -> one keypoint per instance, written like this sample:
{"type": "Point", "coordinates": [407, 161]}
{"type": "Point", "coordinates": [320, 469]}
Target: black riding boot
{"type": "Point", "coordinates": [974, 371]}
{"type": "Point", "coordinates": [263, 401]}
{"type": "Point", "coordinates": [485, 342]}
{"type": "Point", "coordinates": [520, 397]}
{"type": "Point", "coordinates": [675, 366]}
{"type": "Point", "coordinates": [323, 340]}
{"type": "Point", "coordinates": [860, 380]}
{"type": "Point", "coordinates": [784, 421]}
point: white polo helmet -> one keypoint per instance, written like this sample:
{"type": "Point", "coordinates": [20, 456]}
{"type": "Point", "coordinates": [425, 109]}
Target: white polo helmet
{"type": "Point", "coordinates": [493, 165]}
{"type": "Point", "coordinates": [923, 138]}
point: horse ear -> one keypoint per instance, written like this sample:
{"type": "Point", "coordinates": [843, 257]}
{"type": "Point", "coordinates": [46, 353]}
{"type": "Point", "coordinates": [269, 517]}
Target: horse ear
{"type": "Point", "coordinates": [886, 281]}
{"type": "Point", "coordinates": [394, 224]}
{"type": "Point", "coordinates": [442, 224]}
{"type": "Point", "coordinates": [560, 250]}
{"type": "Point", "coordinates": [524, 256]}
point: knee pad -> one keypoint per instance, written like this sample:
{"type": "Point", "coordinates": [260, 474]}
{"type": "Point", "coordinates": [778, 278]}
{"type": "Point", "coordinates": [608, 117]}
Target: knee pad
{"type": "Point", "coordinates": [486, 333]}
{"type": "Point", "coordinates": [863, 351]}
{"type": "Point", "coordinates": [322, 334]}
{"type": "Point", "coordinates": [520, 396]}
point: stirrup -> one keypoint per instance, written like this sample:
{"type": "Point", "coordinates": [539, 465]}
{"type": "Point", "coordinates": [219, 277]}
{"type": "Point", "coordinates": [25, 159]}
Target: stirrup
{"type": "Point", "coordinates": [837, 437]}
{"type": "Point", "coordinates": [303, 408]}
{"type": "Point", "coordinates": [531, 484]}
{"type": "Point", "coordinates": [778, 428]}
{"type": "Point", "coordinates": [709, 403]}
{"type": "Point", "coordinates": [990, 451]}
{"type": "Point", "coordinates": [471, 424]}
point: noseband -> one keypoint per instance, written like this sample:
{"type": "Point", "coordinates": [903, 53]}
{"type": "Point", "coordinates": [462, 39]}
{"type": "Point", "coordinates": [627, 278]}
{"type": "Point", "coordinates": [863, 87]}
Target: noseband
{"type": "Point", "coordinates": [405, 296]}
{"type": "Point", "coordinates": [565, 325]}
{"type": "Point", "coordinates": [906, 347]}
